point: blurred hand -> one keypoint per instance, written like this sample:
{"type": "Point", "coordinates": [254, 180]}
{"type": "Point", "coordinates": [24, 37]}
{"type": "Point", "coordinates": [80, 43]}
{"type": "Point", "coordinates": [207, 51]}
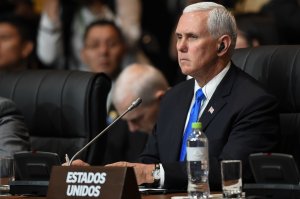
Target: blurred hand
{"type": "Point", "coordinates": [143, 172]}
{"type": "Point", "coordinates": [52, 9]}
{"type": "Point", "coordinates": [77, 163]}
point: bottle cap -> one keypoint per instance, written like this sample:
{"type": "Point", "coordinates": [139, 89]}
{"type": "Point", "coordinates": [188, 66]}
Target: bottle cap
{"type": "Point", "coordinates": [196, 125]}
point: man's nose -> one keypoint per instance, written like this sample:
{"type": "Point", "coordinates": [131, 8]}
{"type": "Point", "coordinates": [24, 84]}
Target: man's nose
{"type": "Point", "coordinates": [182, 45]}
{"type": "Point", "coordinates": [133, 127]}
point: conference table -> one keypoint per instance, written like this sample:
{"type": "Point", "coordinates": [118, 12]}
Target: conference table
{"type": "Point", "coordinates": [143, 196]}
{"type": "Point", "coordinates": [160, 196]}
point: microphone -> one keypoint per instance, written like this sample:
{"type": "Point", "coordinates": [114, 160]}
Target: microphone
{"type": "Point", "coordinates": [133, 105]}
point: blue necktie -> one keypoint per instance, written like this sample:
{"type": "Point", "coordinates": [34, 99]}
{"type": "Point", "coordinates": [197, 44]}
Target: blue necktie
{"type": "Point", "coordinates": [193, 118]}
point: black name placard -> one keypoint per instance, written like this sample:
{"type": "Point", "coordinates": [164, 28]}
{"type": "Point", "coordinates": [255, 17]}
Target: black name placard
{"type": "Point", "coordinates": [92, 182]}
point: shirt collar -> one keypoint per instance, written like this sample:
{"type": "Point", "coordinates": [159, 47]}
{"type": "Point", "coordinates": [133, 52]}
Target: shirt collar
{"type": "Point", "coordinates": [211, 86]}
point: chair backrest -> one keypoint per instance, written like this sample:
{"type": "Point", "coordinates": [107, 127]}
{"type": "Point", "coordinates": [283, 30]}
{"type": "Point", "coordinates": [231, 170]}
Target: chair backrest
{"type": "Point", "coordinates": [278, 68]}
{"type": "Point", "coordinates": [63, 109]}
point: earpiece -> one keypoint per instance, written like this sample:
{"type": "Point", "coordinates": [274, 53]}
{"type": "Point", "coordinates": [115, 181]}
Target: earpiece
{"type": "Point", "coordinates": [221, 47]}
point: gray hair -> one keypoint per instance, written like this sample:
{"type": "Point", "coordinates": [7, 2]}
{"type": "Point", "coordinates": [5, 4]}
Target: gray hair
{"type": "Point", "coordinates": [138, 80]}
{"type": "Point", "coordinates": [220, 20]}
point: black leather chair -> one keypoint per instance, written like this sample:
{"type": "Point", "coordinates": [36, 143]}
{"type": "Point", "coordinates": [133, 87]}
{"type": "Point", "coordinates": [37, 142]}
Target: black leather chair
{"type": "Point", "coordinates": [63, 109]}
{"type": "Point", "coordinates": [278, 68]}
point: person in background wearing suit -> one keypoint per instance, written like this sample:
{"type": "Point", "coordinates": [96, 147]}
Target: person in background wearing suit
{"type": "Point", "coordinates": [14, 135]}
{"type": "Point", "coordinates": [238, 115]}
{"type": "Point", "coordinates": [148, 83]}
{"type": "Point", "coordinates": [136, 80]}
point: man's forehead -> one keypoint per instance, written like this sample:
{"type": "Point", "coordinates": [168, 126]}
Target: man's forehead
{"type": "Point", "coordinates": [192, 20]}
{"type": "Point", "coordinates": [124, 102]}
{"type": "Point", "coordinates": [137, 112]}
{"type": "Point", "coordinates": [106, 32]}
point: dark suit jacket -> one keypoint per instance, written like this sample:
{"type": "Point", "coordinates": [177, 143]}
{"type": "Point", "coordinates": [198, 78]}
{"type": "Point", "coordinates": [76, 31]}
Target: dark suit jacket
{"type": "Point", "coordinates": [244, 120]}
{"type": "Point", "coordinates": [14, 134]}
{"type": "Point", "coordinates": [121, 144]}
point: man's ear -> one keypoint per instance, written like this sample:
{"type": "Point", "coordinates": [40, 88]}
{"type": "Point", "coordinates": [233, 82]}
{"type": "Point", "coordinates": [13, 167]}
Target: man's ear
{"type": "Point", "coordinates": [159, 94]}
{"type": "Point", "coordinates": [27, 49]}
{"type": "Point", "coordinates": [224, 43]}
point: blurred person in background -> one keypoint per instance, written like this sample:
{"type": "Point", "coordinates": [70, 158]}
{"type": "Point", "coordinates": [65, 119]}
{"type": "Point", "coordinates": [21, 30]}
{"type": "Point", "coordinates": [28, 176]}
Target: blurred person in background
{"type": "Point", "coordinates": [140, 81]}
{"type": "Point", "coordinates": [286, 15]}
{"type": "Point", "coordinates": [60, 35]}
{"type": "Point", "coordinates": [245, 40]}
{"type": "Point", "coordinates": [14, 135]}
{"type": "Point", "coordinates": [25, 9]}
{"type": "Point", "coordinates": [16, 44]}
{"type": "Point", "coordinates": [104, 49]}
{"type": "Point", "coordinates": [127, 138]}
{"type": "Point", "coordinates": [255, 29]}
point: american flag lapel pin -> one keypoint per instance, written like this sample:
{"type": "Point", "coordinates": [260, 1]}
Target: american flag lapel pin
{"type": "Point", "coordinates": [211, 110]}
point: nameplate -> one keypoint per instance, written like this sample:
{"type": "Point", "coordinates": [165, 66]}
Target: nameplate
{"type": "Point", "coordinates": [92, 182]}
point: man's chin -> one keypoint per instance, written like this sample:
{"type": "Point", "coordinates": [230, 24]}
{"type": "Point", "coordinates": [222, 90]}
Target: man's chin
{"type": "Point", "coordinates": [185, 72]}
{"type": "Point", "coordinates": [141, 131]}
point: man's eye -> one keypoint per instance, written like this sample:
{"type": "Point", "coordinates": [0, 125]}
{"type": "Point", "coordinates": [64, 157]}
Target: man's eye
{"type": "Point", "coordinates": [137, 119]}
{"type": "Point", "coordinates": [113, 43]}
{"type": "Point", "coordinates": [193, 37]}
{"type": "Point", "coordinates": [178, 36]}
{"type": "Point", "coordinates": [92, 45]}
{"type": "Point", "coordinates": [5, 37]}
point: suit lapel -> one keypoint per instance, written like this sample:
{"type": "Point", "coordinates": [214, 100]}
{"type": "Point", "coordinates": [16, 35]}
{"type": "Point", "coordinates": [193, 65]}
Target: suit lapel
{"type": "Point", "coordinates": [183, 103]}
{"type": "Point", "coordinates": [218, 100]}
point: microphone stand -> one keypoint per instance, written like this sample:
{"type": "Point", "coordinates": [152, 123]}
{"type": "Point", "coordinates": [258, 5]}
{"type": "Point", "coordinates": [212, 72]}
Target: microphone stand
{"type": "Point", "coordinates": [134, 104]}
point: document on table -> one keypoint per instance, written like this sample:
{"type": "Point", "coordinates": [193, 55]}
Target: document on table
{"type": "Point", "coordinates": [213, 196]}
{"type": "Point", "coordinates": [144, 190]}
{"type": "Point", "coordinates": [151, 190]}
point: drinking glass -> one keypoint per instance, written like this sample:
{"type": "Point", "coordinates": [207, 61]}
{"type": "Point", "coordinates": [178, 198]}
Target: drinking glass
{"type": "Point", "coordinates": [6, 174]}
{"type": "Point", "coordinates": [231, 171]}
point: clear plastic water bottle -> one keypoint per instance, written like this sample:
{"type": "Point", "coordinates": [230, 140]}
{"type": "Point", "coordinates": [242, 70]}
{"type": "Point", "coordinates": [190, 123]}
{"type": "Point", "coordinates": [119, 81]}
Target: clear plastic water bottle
{"type": "Point", "coordinates": [197, 163]}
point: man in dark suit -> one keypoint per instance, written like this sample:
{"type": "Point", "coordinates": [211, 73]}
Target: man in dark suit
{"type": "Point", "coordinates": [14, 135]}
{"type": "Point", "coordinates": [238, 115]}
{"type": "Point", "coordinates": [136, 80]}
